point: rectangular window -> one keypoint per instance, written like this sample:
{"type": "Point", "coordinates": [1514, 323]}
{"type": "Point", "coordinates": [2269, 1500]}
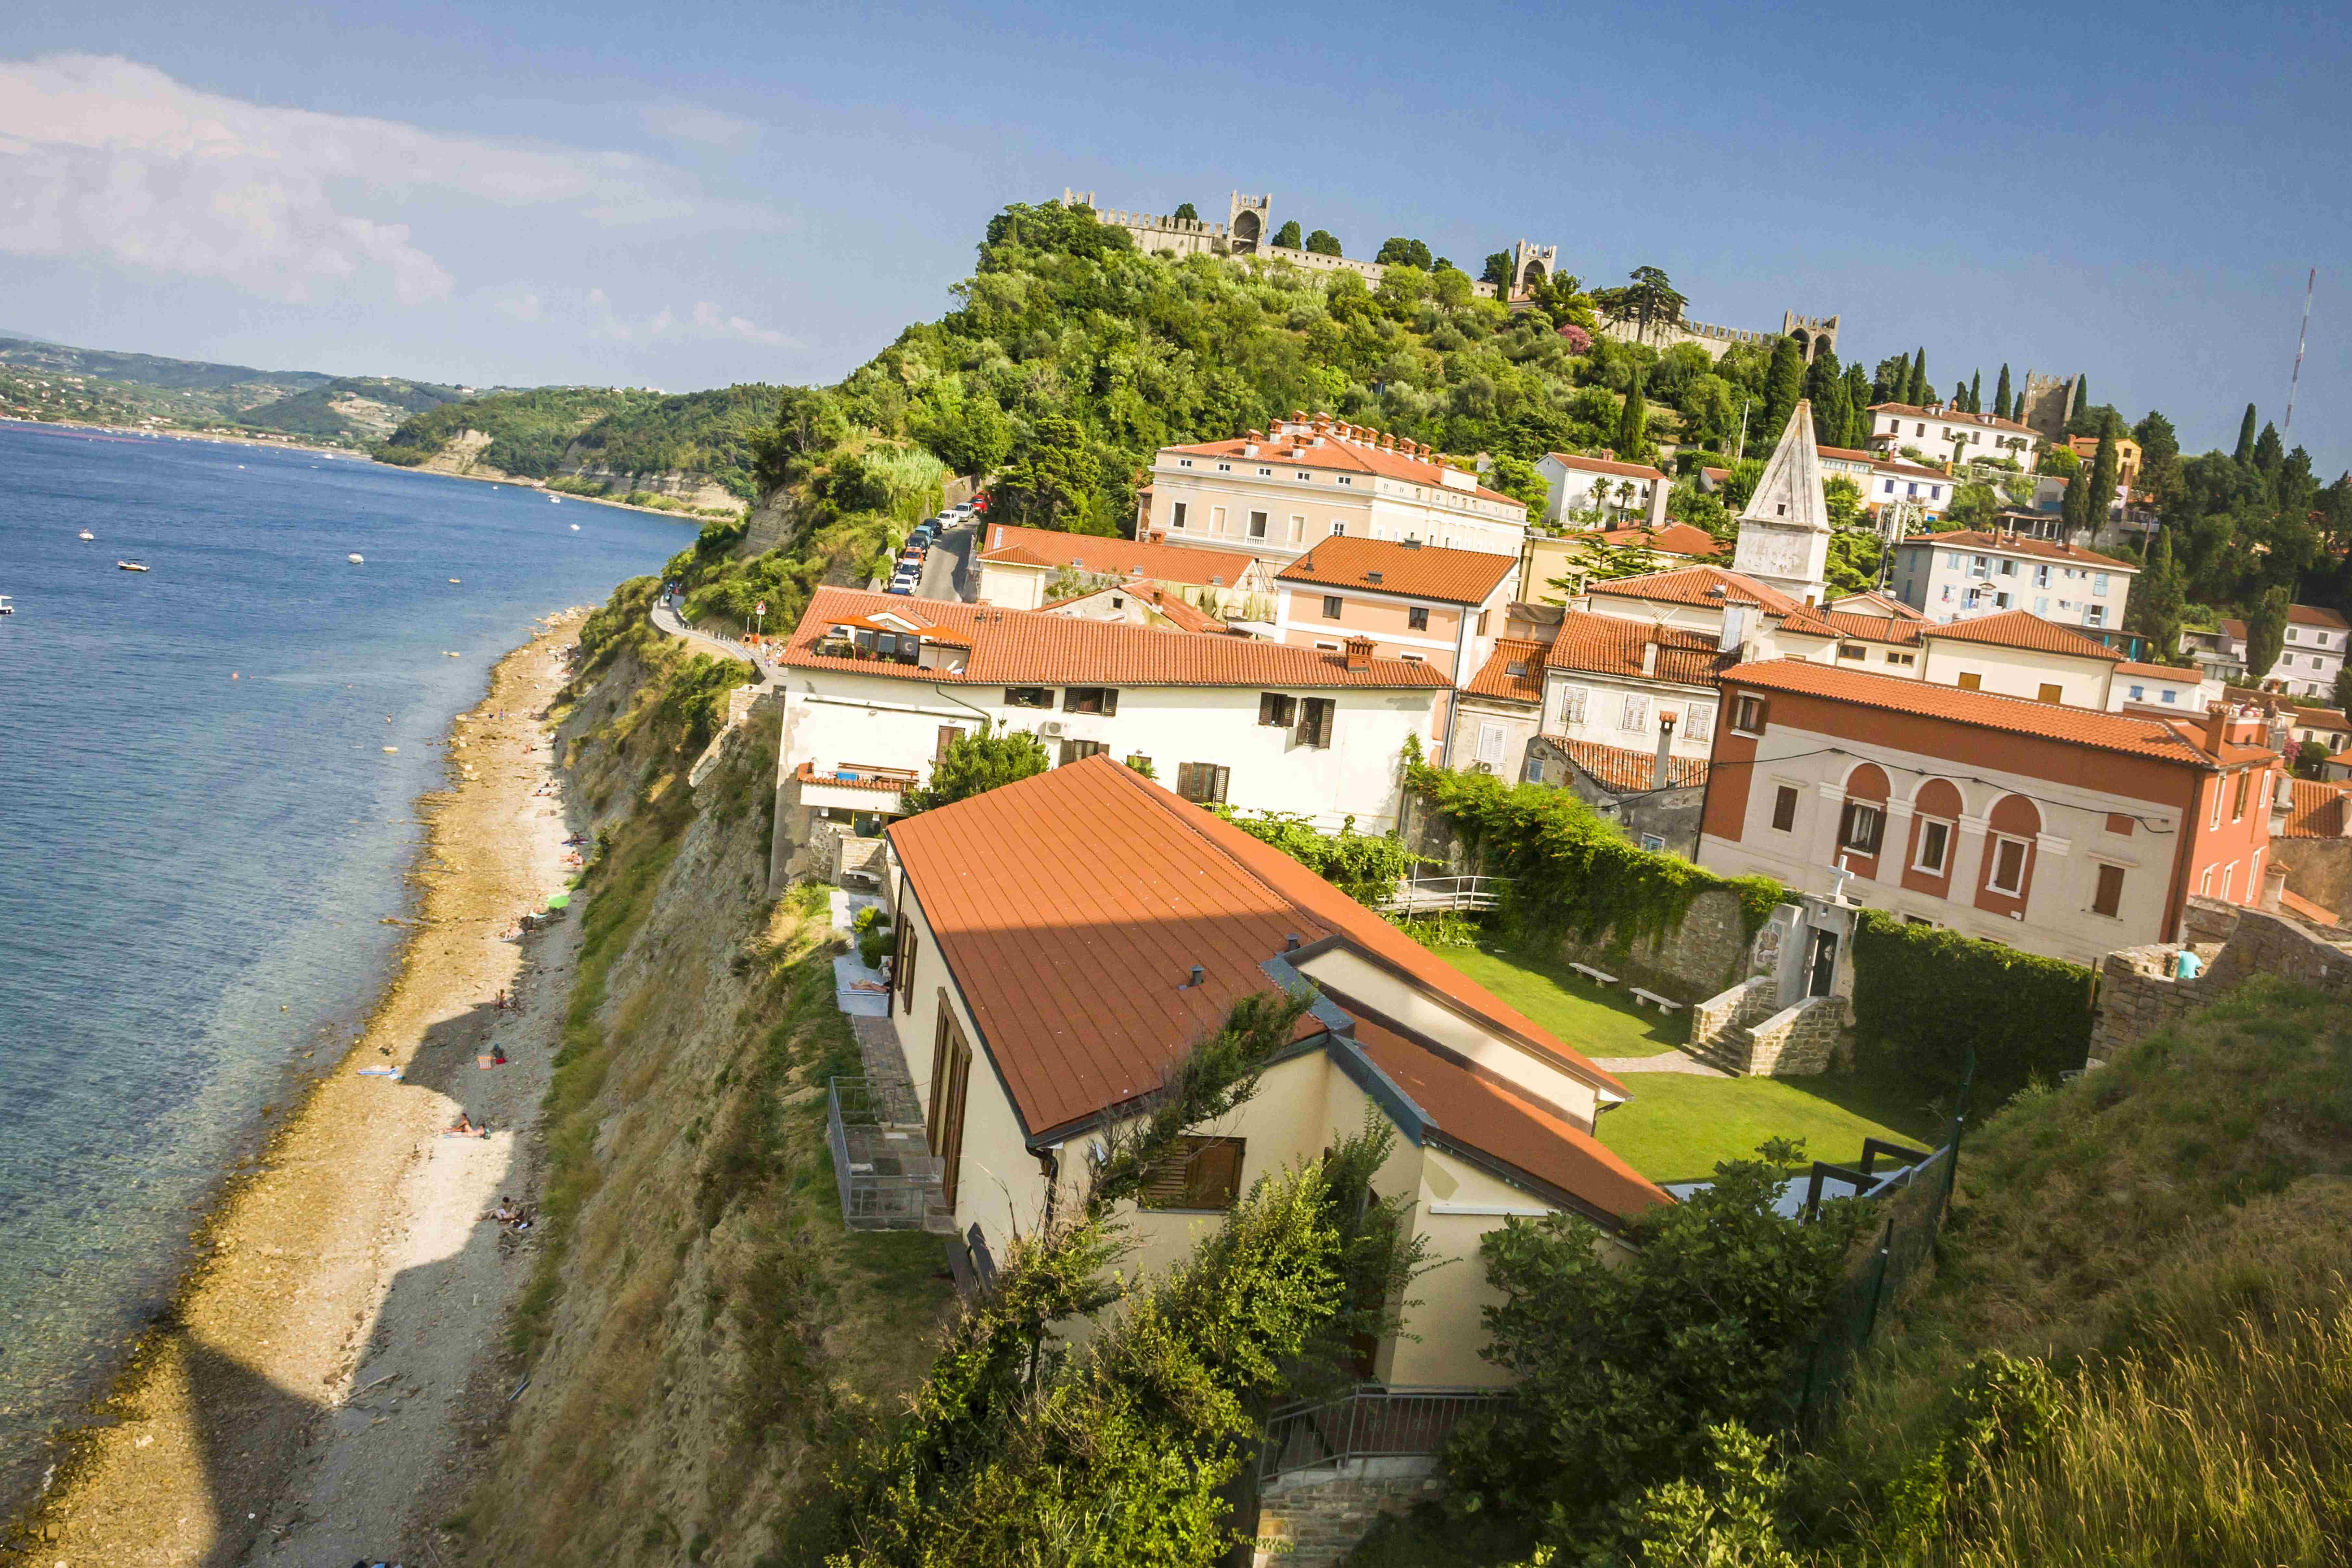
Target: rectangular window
{"type": "Point", "coordinates": [1079, 750]}
{"type": "Point", "coordinates": [1417, 618]}
{"type": "Point", "coordinates": [1481, 630]}
{"type": "Point", "coordinates": [1859, 828]}
{"type": "Point", "coordinates": [1274, 708]}
{"type": "Point", "coordinates": [1258, 525]}
{"type": "Point", "coordinates": [2096, 615]}
{"type": "Point", "coordinates": [1203, 784]}
{"type": "Point", "coordinates": [2098, 582]}
{"type": "Point", "coordinates": [1176, 515]}
{"type": "Point", "coordinates": [2009, 866]}
{"type": "Point", "coordinates": [2238, 807]}
{"type": "Point", "coordinates": [1750, 712]}
{"type": "Point", "coordinates": [2009, 568]}
{"type": "Point", "coordinates": [1970, 681]}
{"type": "Point", "coordinates": [1090, 700]}
{"type": "Point", "coordinates": [1140, 763]}
{"type": "Point", "coordinates": [1572, 708]}
{"type": "Point", "coordinates": [1652, 843]}
{"type": "Point", "coordinates": [2109, 899]}
{"type": "Point", "coordinates": [1216, 520]}
{"type": "Point", "coordinates": [1853, 650]}
{"type": "Point", "coordinates": [2052, 692]}
{"type": "Point", "coordinates": [2140, 694]}
{"type": "Point", "coordinates": [2229, 880]}
{"type": "Point", "coordinates": [949, 735]}
{"type": "Point", "coordinates": [1701, 724]}
{"type": "Point", "coordinates": [1979, 566]}
{"type": "Point", "coordinates": [1315, 716]}
{"type": "Point", "coordinates": [902, 964]}
{"type": "Point", "coordinates": [2167, 694]}
{"type": "Point", "coordinates": [2042, 575]}
{"type": "Point", "coordinates": [1297, 529]}
{"type": "Point", "coordinates": [1636, 716]}
{"type": "Point", "coordinates": [1195, 1173]}
{"type": "Point", "coordinates": [2041, 603]}
{"type": "Point", "coordinates": [1028, 697]}
{"type": "Point", "coordinates": [1903, 658]}
{"type": "Point", "coordinates": [1784, 808]}
{"type": "Point", "coordinates": [1490, 745]}
{"type": "Point", "coordinates": [951, 1080]}
{"type": "Point", "coordinates": [1935, 847]}
{"type": "Point", "coordinates": [1331, 606]}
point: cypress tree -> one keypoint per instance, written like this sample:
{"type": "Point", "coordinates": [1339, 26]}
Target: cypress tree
{"type": "Point", "coordinates": [1976, 393]}
{"type": "Point", "coordinates": [1831, 414]}
{"type": "Point", "coordinates": [1784, 384]}
{"type": "Point", "coordinates": [1918, 392]}
{"type": "Point", "coordinates": [2000, 398]}
{"type": "Point", "coordinates": [1634, 421]}
{"type": "Point", "coordinates": [1857, 409]}
{"type": "Point", "coordinates": [2082, 393]}
{"type": "Point", "coordinates": [2105, 469]}
{"type": "Point", "coordinates": [2158, 598]}
{"type": "Point", "coordinates": [2075, 512]}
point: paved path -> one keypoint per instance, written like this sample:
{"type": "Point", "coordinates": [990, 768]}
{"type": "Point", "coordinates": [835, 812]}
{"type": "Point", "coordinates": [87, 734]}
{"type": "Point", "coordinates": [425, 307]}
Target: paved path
{"type": "Point", "coordinates": [1667, 1061]}
{"type": "Point", "coordinates": [947, 566]}
{"type": "Point", "coordinates": [668, 622]}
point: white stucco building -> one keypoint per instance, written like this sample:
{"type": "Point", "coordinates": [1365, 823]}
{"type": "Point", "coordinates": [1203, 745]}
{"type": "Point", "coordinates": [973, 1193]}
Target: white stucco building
{"type": "Point", "coordinates": [1948, 575]}
{"type": "Point", "coordinates": [1602, 492]}
{"type": "Point", "coordinates": [2311, 651]}
{"type": "Point", "coordinates": [1948, 433]}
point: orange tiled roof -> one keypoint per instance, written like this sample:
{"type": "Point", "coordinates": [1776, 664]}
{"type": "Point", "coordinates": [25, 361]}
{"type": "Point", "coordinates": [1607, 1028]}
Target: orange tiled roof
{"type": "Point", "coordinates": [1902, 470]}
{"type": "Point", "coordinates": [888, 783]}
{"type": "Point", "coordinates": [2152, 738]}
{"type": "Point", "coordinates": [1201, 566]}
{"type": "Point", "coordinates": [1041, 893]}
{"type": "Point", "coordinates": [1952, 416]}
{"type": "Point", "coordinates": [1714, 587]}
{"type": "Point", "coordinates": [1855, 626]}
{"type": "Point", "coordinates": [1186, 616]}
{"type": "Point", "coordinates": [1030, 647]}
{"type": "Point", "coordinates": [1626, 771]}
{"type": "Point", "coordinates": [1345, 455]}
{"type": "Point", "coordinates": [1592, 643]}
{"type": "Point", "coordinates": [2186, 676]}
{"type": "Point", "coordinates": [1417, 571]}
{"type": "Point", "coordinates": [2314, 810]}
{"type": "Point", "coordinates": [1497, 677]}
{"type": "Point", "coordinates": [2015, 545]}
{"type": "Point", "coordinates": [2314, 616]}
{"type": "Point", "coordinates": [2302, 908]}
{"type": "Point", "coordinates": [1675, 538]}
{"type": "Point", "coordinates": [2021, 628]}
{"type": "Point", "coordinates": [1605, 466]}
{"type": "Point", "coordinates": [1847, 454]}
{"type": "Point", "coordinates": [1884, 604]}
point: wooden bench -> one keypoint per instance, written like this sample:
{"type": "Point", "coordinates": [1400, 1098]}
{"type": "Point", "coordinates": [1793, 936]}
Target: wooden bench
{"type": "Point", "coordinates": [1663, 1005]}
{"type": "Point", "coordinates": [1593, 975]}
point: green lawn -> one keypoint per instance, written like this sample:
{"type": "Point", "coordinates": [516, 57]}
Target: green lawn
{"type": "Point", "coordinates": [1678, 1126]}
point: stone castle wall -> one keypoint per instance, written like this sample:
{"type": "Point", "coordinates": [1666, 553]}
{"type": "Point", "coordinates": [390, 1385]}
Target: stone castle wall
{"type": "Point", "coordinates": [1313, 1521]}
{"type": "Point", "coordinates": [2138, 997]}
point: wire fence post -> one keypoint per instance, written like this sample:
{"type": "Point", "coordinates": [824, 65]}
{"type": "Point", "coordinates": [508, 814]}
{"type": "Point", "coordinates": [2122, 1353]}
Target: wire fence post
{"type": "Point", "coordinates": [1878, 1286]}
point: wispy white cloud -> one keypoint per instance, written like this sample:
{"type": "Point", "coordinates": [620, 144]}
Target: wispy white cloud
{"type": "Point", "coordinates": [107, 158]}
{"type": "Point", "coordinates": [591, 313]}
{"type": "Point", "coordinates": [674, 119]}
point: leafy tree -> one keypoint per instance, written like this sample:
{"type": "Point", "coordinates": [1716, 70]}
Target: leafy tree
{"type": "Point", "coordinates": [809, 424]}
{"type": "Point", "coordinates": [2344, 690]}
{"type": "Point", "coordinates": [2060, 461]}
{"type": "Point", "coordinates": [1518, 478]}
{"type": "Point", "coordinates": [2160, 455]}
{"type": "Point", "coordinates": [977, 763]}
{"type": "Point", "coordinates": [1648, 300]}
{"type": "Point", "coordinates": [1732, 1513]}
{"type": "Point", "coordinates": [1054, 227]}
{"type": "Point", "coordinates": [2002, 407]}
{"type": "Point", "coordinates": [1287, 236]}
{"type": "Point", "coordinates": [1322, 243]}
{"type": "Point", "coordinates": [1634, 424]}
{"type": "Point", "coordinates": [1973, 506]}
{"type": "Point", "coordinates": [1497, 271]}
{"type": "Point", "coordinates": [1623, 1365]}
{"type": "Point", "coordinates": [1746, 475]}
{"type": "Point", "coordinates": [1784, 384]}
{"type": "Point", "coordinates": [2245, 451]}
{"type": "Point", "coordinates": [1598, 560]}
{"type": "Point", "coordinates": [973, 438]}
{"type": "Point", "coordinates": [1401, 251]}
{"type": "Point", "coordinates": [2158, 598]}
{"type": "Point", "coordinates": [1891, 382]}
{"type": "Point", "coordinates": [1451, 286]}
{"type": "Point", "coordinates": [1050, 479]}
{"type": "Point", "coordinates": [1187, 213]}
{"type": "Point", "coordinates": [1825, 388]}
{"type": "Point", "coordinates": [1366, 866]}
{"type": "Point", "coordinates": [2266, 632]}
{"type": "Point", "coordinates": [2310, 758]}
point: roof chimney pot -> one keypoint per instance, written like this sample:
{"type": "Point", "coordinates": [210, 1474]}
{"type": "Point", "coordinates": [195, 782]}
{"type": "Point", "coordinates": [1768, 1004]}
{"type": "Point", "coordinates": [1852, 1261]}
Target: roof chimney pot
{"type": "Point", "coordinates": [2217, 726]}
{"type": "Point", "coordinates": [1359, 653]}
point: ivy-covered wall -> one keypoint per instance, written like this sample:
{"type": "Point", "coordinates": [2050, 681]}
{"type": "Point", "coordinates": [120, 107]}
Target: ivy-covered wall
{"type": "Point", "coordinates": [1922, 998]}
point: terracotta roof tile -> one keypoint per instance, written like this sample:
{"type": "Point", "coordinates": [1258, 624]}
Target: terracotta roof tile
{"type": "Point", "coordinates": [1419, 571]}
{"type": "Point", "coordinates": [2314, 810]}
{"type": "Point", "coordinates": [1675, 538]}
{"type": "Point", "coordinates": [2315, 616]}
{"type": "Point", "coordinates": [1186, 616]}
{"type": "Point", "coordinates": [1985, 709]}
{"type": "Point", "coordinates": [1847, 454]}
{"type": "Point", "coordinates": [2186, 675]}
{"type": "Point", "coordinates": [1855, 626]}
{"type": "Point", "coordinates": [1605, 466]}
{"type": "Point", "coordinates": [1029, 647]}
{"type": "Point", "coordinates": [2021, 629]}
{"type": "Point", "coordinates": [1497, 680]}
{"type": "Point", "coordinates": [1592, 643]}
{"type": "Point", "coordinates": [1201, 566]}
{"type": "Point", "coordinates": [1714, 587]}
{"type": "Point", "coordinates": [1903, 470]}
{"type": "Point", "coordinates": [2013, 544]}
{"type": "Point", "coordinates": [1343, 455]}
{"type": "Point", "coordinates": [1952, 416]}
{"type": "Point", "coordinates": [1071, 908]}
{"type": "Point", "coordinates": [873, 779]}
{"type": "Point", "coordinates": [2302, 908]}
{"type": "Point", "coordinates": [1627, 771]}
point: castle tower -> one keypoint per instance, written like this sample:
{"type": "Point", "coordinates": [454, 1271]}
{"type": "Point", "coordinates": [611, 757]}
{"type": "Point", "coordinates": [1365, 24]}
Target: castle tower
{"type": "Point", "coordinates": [1784, 530]}
{"type": "Point", "coordinates": [1250, 223]}
{"type": "Point", "coordinates": [2047, 404]}
{"type": "Point", "coordinates": [1531, 267]}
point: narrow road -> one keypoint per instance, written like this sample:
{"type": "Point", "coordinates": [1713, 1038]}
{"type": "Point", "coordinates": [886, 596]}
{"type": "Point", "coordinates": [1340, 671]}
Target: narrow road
{"type": "Point", "coordinates": [669, 623]}
{"type": "Point", "coordinates": [947, 568]}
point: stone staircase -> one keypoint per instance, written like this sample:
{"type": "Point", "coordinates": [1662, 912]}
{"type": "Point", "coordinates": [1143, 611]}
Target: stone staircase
{"type": "Point", "coordinates": [1729, 1050]}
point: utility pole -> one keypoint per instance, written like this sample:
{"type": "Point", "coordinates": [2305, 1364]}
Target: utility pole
{"type": "Point", "coordinates": [1742, 451]}
{"type": "Point", "coordinates": [2308, 284]}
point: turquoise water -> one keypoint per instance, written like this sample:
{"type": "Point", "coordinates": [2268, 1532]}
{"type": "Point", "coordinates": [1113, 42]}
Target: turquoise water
{"type": "Point", "coordinates": [183, 855]}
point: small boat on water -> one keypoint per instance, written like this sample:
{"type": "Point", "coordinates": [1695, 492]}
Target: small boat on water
{"type": "Point", "coordinates": [575, 528]}
{"type": "Point", "coordinates": [129, 566]}
{"type": "Point", "coordinates": [87, 534]}
{"type": "Point", "coordinates": [5, 607]}
{"type": "Point", "coordinates": [356, 559]}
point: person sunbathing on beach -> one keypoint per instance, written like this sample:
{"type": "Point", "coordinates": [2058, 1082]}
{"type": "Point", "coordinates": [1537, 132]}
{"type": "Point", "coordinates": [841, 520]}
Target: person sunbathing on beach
{"type": "Point", "coordinates": [465, 1127]}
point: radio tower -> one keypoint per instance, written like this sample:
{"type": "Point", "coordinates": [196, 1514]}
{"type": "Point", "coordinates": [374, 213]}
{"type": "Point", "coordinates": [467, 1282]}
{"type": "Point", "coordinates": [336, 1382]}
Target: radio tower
{"type": "Point", "coordinates": [2301, 338]}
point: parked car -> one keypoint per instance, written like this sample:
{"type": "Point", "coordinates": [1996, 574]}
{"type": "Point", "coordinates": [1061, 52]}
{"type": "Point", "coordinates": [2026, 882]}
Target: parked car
{"type": "Point", "coordinates": [900, 588]}
{"type": "Point", "coordinates": [921, 536]}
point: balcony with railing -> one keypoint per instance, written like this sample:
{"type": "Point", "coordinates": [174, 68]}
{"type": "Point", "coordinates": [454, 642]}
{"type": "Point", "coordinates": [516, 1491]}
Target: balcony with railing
{"type": "Point", "coordinates": [882, 1162]}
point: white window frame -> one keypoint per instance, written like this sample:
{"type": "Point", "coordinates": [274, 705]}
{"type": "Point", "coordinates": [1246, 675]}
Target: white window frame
{"type": "Point", "coordinates": [1993, 842]}
{"type": "Point", "coordinates": [1491, 739]}
{"type": "Point", "coordinates": [1951, 841]}
{"type": "Point", "coordinates": [1573, 703]}
{"type": "Point", "coordinates": [1701, 722]}
{"type": "Point", "coordinates": [1635, 715]}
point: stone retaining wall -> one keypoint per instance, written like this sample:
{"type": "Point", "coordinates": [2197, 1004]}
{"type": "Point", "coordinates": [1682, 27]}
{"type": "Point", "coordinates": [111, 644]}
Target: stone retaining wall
{"type": "Point", "coordinates": [1746, 1005]}
{"type": "Point", "coordinates": [2137, 996]}
{"type": "Point", "coordinates": [1799, 1041]}
{"type": "Point", "coordinates": [1315, 1519]}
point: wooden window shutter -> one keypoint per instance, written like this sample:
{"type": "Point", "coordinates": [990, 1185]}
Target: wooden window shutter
{"type": "Point", "coordinates": [1195, 1173]}
{"type": "Point", "coordinates": [908, 945]}
{"type": "Point", "coordinates": [949, 735]}
{"type": "Point", "coordinates": [2110, 897]}
{"type": "Point", "coordinates": [1110, 699]}
{"type": "Point", "coordinates": [950, 1082]}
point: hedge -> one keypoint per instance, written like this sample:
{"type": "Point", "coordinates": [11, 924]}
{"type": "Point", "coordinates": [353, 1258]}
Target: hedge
{"type": "Point", "coordinates": [1572, 870]}
{"type": "Point", "coordinates": [1925, 997]}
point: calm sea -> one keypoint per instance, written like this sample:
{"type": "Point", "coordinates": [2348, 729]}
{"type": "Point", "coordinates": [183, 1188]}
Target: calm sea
{"type": "Point", "coordinates": [195, 870]}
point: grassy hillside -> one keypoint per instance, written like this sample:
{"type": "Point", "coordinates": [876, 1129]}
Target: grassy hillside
{"type": "Point", "coordinates": [550, 432]}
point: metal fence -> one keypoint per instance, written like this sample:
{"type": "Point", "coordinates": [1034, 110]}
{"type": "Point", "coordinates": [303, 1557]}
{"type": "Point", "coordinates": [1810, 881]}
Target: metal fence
{"type": "Point", "coordinates": [1370, 1423]}
{"type": "Point", "coordinates": [1429, 895]}
{"type": "Point", "coordinates": [883, 1165]}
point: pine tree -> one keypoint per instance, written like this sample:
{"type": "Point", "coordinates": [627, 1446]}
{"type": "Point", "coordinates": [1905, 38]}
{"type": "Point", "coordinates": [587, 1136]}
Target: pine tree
{"type": "Point", "coordinates": [1634, 422]}
{"type": "Point", "coordinates": [2002, 408]}
{"type": "Point", "coordinates": [2269, 454]}
{"type": "Point", "coordinates": [2245, 452]}
{"type": "Point", "coordinates": [1976, 393]}
{"type": "Point", "coordinates": [1857, 409]}
{"type": "Point", "coordinates": [1784, 384]}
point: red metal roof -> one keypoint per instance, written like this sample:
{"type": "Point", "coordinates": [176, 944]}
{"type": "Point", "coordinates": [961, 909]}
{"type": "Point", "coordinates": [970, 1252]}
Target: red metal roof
{"type": "Point", "coordinates": [1416, 572]}
{"type": "Point", "coordinates": [2022, 629]}
{"type": "Point", "coordinates": [1201, 566]}
{"type": "Point", "coordinates": [1594, 644]}
{"type": "Point", "coordinates": [1071, 908]}
{"type": "Point", "coordinates": [1030, 647]}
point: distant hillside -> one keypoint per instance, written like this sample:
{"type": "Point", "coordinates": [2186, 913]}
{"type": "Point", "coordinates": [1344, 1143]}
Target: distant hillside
{"type": "Point", "coordinates": [55, 382]}
{"type": "Point", "coordinates": [609, 440]}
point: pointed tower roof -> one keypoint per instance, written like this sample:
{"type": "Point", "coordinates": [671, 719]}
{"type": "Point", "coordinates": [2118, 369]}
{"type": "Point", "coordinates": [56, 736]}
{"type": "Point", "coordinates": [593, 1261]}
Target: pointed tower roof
{"type": "Point", "coordinates": [1789, 493]}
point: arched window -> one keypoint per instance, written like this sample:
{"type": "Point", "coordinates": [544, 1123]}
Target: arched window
{"type": "Point", "coordinates": [1862, 824]}
{"type": "Point", "coordinates": [1533, 277]}
{"type": "Point", "coordinates": [1245, 231]}
{"type": "Point", "coordinates": [1936, 813]}
{"type": "Point", "coordinates": [1804, 344]}
{"type": "Point", "coordinates": [2009, 854]}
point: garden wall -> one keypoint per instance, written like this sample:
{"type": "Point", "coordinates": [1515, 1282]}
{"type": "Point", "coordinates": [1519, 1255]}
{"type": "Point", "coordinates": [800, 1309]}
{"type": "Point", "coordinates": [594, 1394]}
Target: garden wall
{"type": "Point", "coordinates": [2136, 999]}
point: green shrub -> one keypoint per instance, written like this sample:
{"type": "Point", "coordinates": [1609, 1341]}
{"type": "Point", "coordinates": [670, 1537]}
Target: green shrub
{"type": "Point", "coordinates": [1366, 866]}
{"type": "Point", "coordinates": [1925, 998]}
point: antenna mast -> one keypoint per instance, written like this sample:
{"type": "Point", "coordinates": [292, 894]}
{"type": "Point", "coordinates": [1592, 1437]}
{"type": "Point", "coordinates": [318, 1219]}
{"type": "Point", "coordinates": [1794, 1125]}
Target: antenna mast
{"type": "Point", "coordinates": [2301, 338]}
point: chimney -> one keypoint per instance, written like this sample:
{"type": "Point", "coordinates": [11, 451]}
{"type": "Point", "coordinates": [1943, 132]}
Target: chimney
{"type": "Point", "coordinates": [1359, 653]}
{"type": "Point", "coordinates": [2274, 884]}
{"type": "Point", "coordinates": [1650, 658]}
{"type": "Point", "coordinates": [1666, 741]}
{"type": "Point", "coordinates": [1290, 942]}
{"type": "Point", "coordinates": [2217, 725]}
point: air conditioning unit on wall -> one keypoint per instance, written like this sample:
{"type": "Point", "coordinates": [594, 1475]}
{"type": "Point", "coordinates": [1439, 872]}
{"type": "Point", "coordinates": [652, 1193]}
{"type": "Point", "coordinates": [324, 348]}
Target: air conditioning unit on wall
{"type": "Point", "coordinates": [1050, 729]}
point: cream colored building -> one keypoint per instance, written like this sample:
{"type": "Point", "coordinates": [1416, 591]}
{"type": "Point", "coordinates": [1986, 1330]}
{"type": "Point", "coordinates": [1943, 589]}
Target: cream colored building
{"type": "Point", "coordinates": [1025, 1059]}
{"type": "Point", "coordinates": [1278, 493]}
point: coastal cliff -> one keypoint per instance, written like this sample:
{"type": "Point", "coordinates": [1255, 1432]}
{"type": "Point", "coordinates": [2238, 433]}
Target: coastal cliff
{"type": "Point", "coordinates": [700, 1334]}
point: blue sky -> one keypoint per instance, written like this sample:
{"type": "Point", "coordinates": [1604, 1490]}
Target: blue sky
{"type": "Point", "coordinates": [687, 197]}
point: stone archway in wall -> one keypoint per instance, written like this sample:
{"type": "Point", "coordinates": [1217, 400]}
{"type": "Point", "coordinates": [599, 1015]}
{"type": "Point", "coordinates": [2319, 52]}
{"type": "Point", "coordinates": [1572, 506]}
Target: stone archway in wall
{"type": "Point", "coordinates": [1245, 232]}
{"type": "Point", "coordinates": [1531, 276]}
{"type": "Point", "coordinates": [1804, 344]}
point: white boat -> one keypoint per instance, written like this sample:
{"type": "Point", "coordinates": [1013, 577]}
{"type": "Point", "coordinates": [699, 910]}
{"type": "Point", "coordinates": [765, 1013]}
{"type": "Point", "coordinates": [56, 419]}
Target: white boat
{"type": "Point", "coordinates": [356, 559]}
{"type": "Point", "coordinates": [129, 566]}
{"type": "Point", "coordinates": [87, 534]}
{"type": "Point", "coordinates": [5, 607]}
{"type": "Point", "coordinates": [575, 528]}
{"type": "Point", "coordinates": [555, 501]}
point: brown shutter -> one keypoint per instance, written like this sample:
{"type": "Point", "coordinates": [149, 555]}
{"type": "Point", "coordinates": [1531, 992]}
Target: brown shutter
{"type": "Point", "coordinates": [951, 1081]}
{"type": "Point", "coordinates": [2110, 896]}
{"type": "Point", "coordinates": [949, 735]}
{"type": "Point", "coordinates": [1110, 699]}
{"type": "Point", "coordinates": [908, 945]}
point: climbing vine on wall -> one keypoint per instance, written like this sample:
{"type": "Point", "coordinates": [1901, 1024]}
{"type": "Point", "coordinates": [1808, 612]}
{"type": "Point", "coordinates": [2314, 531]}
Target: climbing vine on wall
{"type": "Point", "coordinates": [1925, 997]}
{"type": "Point", "coordinates": [1571, 870]}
